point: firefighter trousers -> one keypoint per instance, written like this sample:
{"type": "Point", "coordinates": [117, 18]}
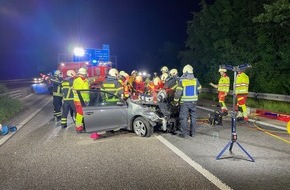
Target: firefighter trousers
{"type": "Point", "coordinates": [67, 106]}
{"type": "Point", "coordinates": [57, 103]}
{"type": "Point", "coordinates": [185, 109]}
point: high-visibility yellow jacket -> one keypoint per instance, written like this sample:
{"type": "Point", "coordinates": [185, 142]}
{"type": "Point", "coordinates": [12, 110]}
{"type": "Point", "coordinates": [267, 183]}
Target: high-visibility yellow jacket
{"type": "Point", "coordinates": [224, 84]}
{"type": "Point", "coordinates": [242, 83]}
{"type": "Point", "coordinates": [81, 83]}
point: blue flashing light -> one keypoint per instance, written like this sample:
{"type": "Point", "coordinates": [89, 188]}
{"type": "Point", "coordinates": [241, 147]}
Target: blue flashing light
{"type": "Point", "coordinates": [94, 61]}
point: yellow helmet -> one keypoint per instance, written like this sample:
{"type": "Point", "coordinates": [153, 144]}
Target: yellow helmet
{"type": "Point", "coordinates": [134, 72]}
{"type": "Point", "coordinates": [82, 71]}
{"type": "Point", "coordinates": [71, 73]}
{"type": "Point", "coordinates": [164, 76]}
{"type": "Point", "coordinates": [156, 81]}
{"type": "Point", "coordinates": [173, 72]}
{"type": "Point", "coordinates": [113, 72]}
{"type": "Point", "coordinates": [187, 69]}
{"type": "Point", "coordinates": [164, 69]}
{"type": "Point", "coordinates": [138, 79]}
{"type": "Point", "coordinates": [222, 70]}
{"type": "Point", "coordinates": [121, 73]}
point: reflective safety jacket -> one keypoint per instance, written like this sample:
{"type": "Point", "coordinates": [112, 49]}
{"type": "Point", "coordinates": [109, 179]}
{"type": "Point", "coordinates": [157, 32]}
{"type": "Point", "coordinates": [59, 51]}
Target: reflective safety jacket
{"type": "Point", "coordinates": [67, 85]}
{"type": "Point", "coordinates": [56, 86]}
{"type": "Point", "coordinates": [81, 83]}
{"type": "Point", "coordinates": [187, 89]}
{"type": "Point", "coordinates": [224, 83]}
{"type": "Point", "coordinates": [113, 86]}
{"type": "Point", "coordinates": [242, 83]}
{"type": "Point", "coordinates": [126, 87]}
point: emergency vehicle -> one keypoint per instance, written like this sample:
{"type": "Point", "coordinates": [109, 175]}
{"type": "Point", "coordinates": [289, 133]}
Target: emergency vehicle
{"type": "Point", "coordinates": [96, 61]}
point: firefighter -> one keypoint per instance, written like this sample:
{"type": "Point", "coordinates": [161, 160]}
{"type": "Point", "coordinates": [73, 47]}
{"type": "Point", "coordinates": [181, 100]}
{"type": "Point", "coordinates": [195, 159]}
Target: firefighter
{"type": "Point", "coordinates": [80, 83]}
{"type": "Point", "coordinates": [113, 86]}
{"type": "Point", "coordinates": [68, 98]}
{"type": "Point", "coordinates": [138, 87]}
{"type": "Point", "coordinates": [132, 77]}
{"type": "Point", "coordinates": [223, 89]}
{"type": "Point", "coordinates": [171, 83]}
{"type": "Point", "coordinates": [187, 95]}
{"type": "Point", "coordinates": [124, 80]}
{"type": "Point", "coordinates": [242, 89]}
{"type": "Point", "coordinates": [164, 74]}
{"type": "Point", "coordinates": [56, 81]}
{"type": "Point", "coordinates": [154, 87]}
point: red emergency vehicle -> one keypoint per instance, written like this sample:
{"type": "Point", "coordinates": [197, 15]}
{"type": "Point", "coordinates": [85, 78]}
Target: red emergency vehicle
{"type": "Point", "coordinates": [96, 73]}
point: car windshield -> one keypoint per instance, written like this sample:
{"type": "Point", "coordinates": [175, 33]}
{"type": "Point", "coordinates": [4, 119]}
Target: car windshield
{"type": "Point", "coordinates": [96, 97]}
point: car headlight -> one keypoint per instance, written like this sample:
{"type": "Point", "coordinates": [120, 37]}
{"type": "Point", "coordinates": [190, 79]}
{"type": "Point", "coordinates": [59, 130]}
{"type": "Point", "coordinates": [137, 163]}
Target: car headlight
{"type": "Point", "coordinates": [151, 115]}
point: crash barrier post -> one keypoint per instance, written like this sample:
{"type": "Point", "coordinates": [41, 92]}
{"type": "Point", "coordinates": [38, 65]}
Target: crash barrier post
{"type": "Point", "coordinates": [234, 136]}
{"type": "Point", "coordinates": [256, 95]}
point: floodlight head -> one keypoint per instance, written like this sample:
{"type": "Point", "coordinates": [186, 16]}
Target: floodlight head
{"type": "Point", "coordinates": [79, 52]}
{"type": "Point", "coordinates": [243, 67]}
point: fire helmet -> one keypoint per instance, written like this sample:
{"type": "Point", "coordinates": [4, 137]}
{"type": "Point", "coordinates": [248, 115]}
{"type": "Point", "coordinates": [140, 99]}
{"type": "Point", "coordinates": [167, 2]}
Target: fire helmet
{"type": "Point", "coordinates": [82, 71]}
{"type": "Point", "coordinates": [173, 72]}
{"type": "Point", "coordinates": [222, 70]}
{"type": "Point", "coordinates": [71, 73]}
{"type": "Point", "coordinates": [113, 72]}
{"type": "Point", "coordinates": [187, 69]}
{"type": "Point", "coordinates": [164, 76]}
{"type": "Point", "coordinates": [164, 69]}
{"type": "Point", "coordinates": [138, 79]}
{"type": "Point", "coordinates": [57, 72]}
{"type": "Point", "coordinates": [134, 72]}
{"type": "Point", "coordinates": [156, 81]}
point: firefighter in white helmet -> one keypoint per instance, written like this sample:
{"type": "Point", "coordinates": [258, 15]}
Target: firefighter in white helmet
{"type": "Point", "coordinates": [80, 83]}
{"type": "Point", "coordinates": [187, 95]}
{"type": "Point", "coordinates": [68, 98]}
{"type": "Point", "coordinates": [223, 87]}
{"type": "Point", "coordinates": [56, 81]}
{"type": "Point", "coordinates": [113, 86]}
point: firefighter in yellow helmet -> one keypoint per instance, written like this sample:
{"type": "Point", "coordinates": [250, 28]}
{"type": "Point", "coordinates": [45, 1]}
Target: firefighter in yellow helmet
{"type": "Point", "coordinates": [124, 80]}
{"type": "Point", "coordinates": [68, 98]}
{"type": "Point", "coordinates": [223, 88]}
{"type": "Point", "coordinates": [80, 83]}
{"type": "Point", "coordinates": [113, 86]}
{"type": "Point", "coordinates": [187, 95]}
{"type": "Point", "coordinates": [164, 75]}
{"type": "Point", "coordinates": [242, 90]}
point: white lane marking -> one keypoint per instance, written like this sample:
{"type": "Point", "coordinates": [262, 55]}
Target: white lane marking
{"type": "Point", "coordinates": [216, 181]}
{"type": "Point", "coordinates": [20, 125]}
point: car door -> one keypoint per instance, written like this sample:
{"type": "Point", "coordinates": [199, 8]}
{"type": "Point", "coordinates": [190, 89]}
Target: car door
{"type": "Point", "coordinates": [101, 115]}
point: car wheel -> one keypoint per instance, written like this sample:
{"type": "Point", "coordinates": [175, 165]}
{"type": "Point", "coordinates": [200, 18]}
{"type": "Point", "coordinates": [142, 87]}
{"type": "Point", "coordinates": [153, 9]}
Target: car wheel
{"type": "Point", "coordinates": [142, 127]}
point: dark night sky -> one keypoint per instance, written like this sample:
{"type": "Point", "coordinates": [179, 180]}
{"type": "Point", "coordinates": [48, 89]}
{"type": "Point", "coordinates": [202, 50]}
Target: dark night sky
{"type": "Point", "coordinates": [34, 32]}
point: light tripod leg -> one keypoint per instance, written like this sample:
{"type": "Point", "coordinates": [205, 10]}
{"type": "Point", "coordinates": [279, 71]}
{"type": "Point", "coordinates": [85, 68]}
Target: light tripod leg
{"type": "Point", "coordinates": [221, 153]}
{"type": "Point", "coordinates": [245, 152]}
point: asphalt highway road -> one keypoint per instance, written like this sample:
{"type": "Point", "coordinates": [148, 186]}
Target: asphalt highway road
{"type": "Point", "coordinates": [41, 155]}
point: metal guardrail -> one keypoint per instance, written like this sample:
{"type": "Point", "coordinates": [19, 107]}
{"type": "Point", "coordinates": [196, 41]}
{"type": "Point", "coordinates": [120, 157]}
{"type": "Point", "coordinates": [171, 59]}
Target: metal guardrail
{"type": "Point", "coordinates": [256, 95]}
{"type": "Point", "coordinates": [18, 94]}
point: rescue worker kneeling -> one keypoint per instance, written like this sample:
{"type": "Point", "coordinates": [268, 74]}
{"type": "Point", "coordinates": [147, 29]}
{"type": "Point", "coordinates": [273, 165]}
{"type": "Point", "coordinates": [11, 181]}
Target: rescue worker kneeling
{"type": "Point", "coordinates": [80, 83]}
{"type": "Point", "coordinates": [113, 86]}
{"type": "Point", "coordinates": [187, 95]}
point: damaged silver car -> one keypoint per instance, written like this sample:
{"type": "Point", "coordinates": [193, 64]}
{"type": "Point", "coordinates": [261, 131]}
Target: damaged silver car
{"type": "Point", "coordinates": [105, 114]}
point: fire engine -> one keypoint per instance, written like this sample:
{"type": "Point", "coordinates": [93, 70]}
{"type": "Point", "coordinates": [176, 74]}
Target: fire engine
{"type": "Point", "coordinates": [96, 61]}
